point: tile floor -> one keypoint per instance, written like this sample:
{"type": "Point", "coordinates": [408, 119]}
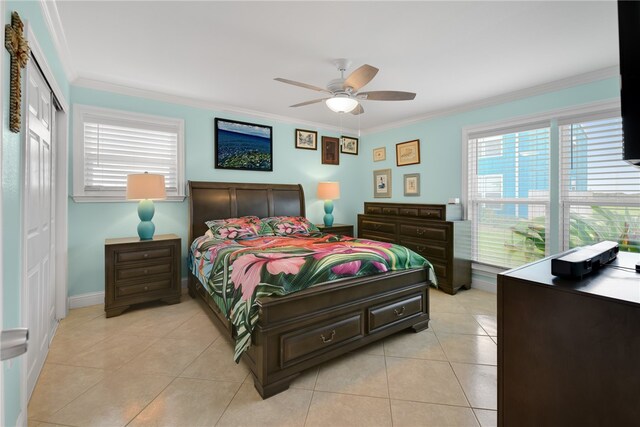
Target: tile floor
{"type": "Point", "coordinates": [169, 366]}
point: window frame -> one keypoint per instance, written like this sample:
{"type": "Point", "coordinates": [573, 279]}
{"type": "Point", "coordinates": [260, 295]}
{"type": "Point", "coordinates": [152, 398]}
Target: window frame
{"type": "Point", "coordinates": [80, 112]}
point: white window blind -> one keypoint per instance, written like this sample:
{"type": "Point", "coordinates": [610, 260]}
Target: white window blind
{"type": "Point", "coordinates": [110, 145]}
{"type": "Point", "coordinates": [508, 194]}
{"type": "Point", "coordinates": [600, 192]}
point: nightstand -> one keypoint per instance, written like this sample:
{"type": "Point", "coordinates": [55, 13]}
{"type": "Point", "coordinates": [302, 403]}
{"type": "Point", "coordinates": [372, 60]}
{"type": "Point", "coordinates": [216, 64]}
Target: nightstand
{"type": "Point", "coordinates": [139, 271]}
{"type": "Point", "coordinates": [344, 229]}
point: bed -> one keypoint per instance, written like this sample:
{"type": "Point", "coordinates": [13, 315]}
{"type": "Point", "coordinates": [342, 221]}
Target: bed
{"type": "Point", "coordinates": [300, 330]}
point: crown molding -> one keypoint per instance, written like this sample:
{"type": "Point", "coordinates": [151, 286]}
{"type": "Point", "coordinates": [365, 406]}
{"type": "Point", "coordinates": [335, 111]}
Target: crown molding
{"type": "Point", "coordinates": [54, 25]}
{"type": "Point", "coordinates": [201, 103]}
{"type": "Point", "coordinates": [555, 85]}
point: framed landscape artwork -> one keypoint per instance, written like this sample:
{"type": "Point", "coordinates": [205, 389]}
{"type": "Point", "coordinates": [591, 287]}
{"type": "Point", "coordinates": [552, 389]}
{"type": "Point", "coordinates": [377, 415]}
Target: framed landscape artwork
{"type": "Point", "coordinates": [379, 154]}
{"type": "Point", "coordinates": [412, 184]}
{"type": "Point", "coordinates": [243, 146]}
{"type": "Point", "coordinates": [382, 183]}
{"type": "Point", "coordinates": [408, 153]}
{"type": "Point", "coordinates": [330, 150]}
{"type": "Point", "coordinates": [306, 139]}
{"type": "Point", "coordinates": [349, 145]}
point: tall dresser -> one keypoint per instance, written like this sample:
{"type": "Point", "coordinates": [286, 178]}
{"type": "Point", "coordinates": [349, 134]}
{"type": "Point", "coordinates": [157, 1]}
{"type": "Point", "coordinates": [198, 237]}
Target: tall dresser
{"type": "Point", "coordinates": [434, 231]}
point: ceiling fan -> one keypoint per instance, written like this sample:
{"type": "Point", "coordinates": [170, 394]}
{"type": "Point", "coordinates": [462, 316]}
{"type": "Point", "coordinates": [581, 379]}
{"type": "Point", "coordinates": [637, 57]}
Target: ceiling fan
{"type": "Point", "coordinates": [344, 93]}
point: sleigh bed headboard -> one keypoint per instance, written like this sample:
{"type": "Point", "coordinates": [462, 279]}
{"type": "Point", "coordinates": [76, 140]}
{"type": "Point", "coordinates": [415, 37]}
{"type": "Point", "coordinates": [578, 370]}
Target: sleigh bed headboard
{"type": "Point", "coordinates": [218, 200]}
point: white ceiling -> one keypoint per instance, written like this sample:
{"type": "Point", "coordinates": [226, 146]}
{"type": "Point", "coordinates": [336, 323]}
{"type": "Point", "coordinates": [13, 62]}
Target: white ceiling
{"type": "Point", "coordinates": [449, 53]}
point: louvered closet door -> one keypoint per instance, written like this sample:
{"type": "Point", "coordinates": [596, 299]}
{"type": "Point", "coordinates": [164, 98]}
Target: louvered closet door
{"type": "Point", "coordinates": [38, 217]}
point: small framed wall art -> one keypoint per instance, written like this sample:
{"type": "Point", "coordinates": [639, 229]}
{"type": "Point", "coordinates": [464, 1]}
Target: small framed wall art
{"type": "Point", "coordinates": [243, 146]}
{"type": "Point", "coordinates": [412, 184]}
{"type": "Point", "coordinates": [330, 150]}
{"type": "Point", "coordinates": [306, 139]}
{"type": "Point", "coordinates": [408, 153]}
{"type": "Point", "coordinates": [379, 154]}
{"type": "Point", "coordinates": [349, 145]}
{"type": "Point", "coordinates": [382, 183]}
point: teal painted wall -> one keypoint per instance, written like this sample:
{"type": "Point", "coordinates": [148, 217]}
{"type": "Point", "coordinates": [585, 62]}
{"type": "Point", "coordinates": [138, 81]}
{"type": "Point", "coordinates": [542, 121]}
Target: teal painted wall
{"type": "Point", "coordinates": [91, 223]}
{"type": "Point", "coordinates": [12, 158]}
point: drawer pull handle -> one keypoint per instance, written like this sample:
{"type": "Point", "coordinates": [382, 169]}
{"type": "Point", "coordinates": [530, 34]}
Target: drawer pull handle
{"type": "Point", "coordinates": [399, 312]}
{"type": "Point", "coordinates": [419, 231]}
{"type": "Point", "coordinates": [376, 226]}
{"type": "Point", "coordinates": [146, 288]}
{"type": "Point", "coordinates": [325, 340]}
{"type": "Point", "coordinates": [145, 256]}
{"type": "Point", "coordinates": [421, 248]}
{"type": "Point", "coordinates": [146, 271]}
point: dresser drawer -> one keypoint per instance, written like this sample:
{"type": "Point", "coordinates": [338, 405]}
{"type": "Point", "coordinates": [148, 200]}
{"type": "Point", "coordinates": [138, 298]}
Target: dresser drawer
{"type": "Point", "coordinates": [142, 288]}
{"type": "Point", "coordinates": [388, 238]}
{"type": "Point", "coordinates": [427, 249]}
{"type": "Point", "coordinates": [409, 211]}
{"type": "Point", "coordinates": [390, 210]}
{"type": "Point", "coordinates": [435, 213]}
{"type": "Point", "coordinates": [378, 226]}
{"type": "Point", "coordinates": [429, 232]}
{"type": "Point", "coordinates": [128, 256]}
{"type": "Point", "coordinates": [147, 270]}
{"type": "Point", "coordinates": [396, 311]}
{"type": "Point", "coordinates": [373, 210]}
{"type": "Point", "coordinates": [296, 345]}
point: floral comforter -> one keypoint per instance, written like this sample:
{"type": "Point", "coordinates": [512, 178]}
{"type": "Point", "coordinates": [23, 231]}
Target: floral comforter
{"type": "Point", "coordinates": [238, 272]}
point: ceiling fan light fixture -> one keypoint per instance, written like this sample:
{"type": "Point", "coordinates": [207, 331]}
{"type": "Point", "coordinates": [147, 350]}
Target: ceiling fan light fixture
{"type": "Point", "coordinates": [341, 104]}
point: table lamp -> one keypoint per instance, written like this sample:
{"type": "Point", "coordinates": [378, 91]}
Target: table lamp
{"type": "Point", "coordinates": [145, 187]}
{"type": "Point", "coordinates": [328, 191]}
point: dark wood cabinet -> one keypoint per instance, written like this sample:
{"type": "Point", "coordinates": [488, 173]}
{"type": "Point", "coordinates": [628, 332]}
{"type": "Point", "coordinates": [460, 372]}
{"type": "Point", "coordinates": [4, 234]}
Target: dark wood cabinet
{"type": "Point", "coordinates": [138, 271]}
{"type": "Point", "coordinates": [568, 349]}
{"type": "Point", "coordinates": [434, 231]}
{"type": "Point", "coordinates": [344, 229]}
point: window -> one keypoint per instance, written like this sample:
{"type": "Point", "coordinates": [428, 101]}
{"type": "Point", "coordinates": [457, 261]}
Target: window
{"type": "Point", "coordinates": [559, 182]}
{"type": "Point", "coordinates": [508, 195]}
{"type": "Point", "coordinates": [600, 191]}
{"type": "Point", "coordinates": [110, 144]}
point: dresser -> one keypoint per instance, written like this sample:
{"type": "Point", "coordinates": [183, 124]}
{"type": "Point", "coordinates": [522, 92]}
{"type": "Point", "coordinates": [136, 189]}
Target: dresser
{"type": "Point", "coordinates": [139, 271]}
{"type": "Point", "coordinates": [568, 349]}
{"type": "Point", "coordinates": [434, 231]}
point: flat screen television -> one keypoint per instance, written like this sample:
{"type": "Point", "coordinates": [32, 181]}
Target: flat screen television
{"type": "Point", "coordinates": [629, 33]}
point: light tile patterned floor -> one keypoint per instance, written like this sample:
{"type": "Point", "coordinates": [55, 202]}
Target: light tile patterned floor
{"type": "Point", "coordinates": [169, 366]}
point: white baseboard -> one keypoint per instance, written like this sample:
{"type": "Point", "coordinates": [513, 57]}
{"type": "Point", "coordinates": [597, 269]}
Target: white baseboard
{"type": "Point", "coordinates": [484, 286]}
{"type": "Point", "coordinates": [93, 298]}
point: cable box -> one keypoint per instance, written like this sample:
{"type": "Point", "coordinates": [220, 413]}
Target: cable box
{"type": "Point", "coordinates": [584, 260]}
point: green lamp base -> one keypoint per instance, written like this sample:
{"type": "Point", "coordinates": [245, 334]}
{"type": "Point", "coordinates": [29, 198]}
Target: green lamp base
{"type": "Point", "coordinates": [328, 215]}
{"type": "Point", "coordinates": [146, 228]}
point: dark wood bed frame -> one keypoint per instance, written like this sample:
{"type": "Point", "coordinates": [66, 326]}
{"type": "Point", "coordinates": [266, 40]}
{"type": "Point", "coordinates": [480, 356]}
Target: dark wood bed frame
{"type": "Point", "coordinates": [306, 328]}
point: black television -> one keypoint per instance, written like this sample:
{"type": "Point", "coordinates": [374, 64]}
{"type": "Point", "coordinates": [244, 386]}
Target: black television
{"type": "Point", "coordinates": [629, 34]}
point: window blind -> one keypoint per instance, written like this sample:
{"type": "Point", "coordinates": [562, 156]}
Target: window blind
{"type": "Point", "coordinates": [508, 195]}
{"type": "Point", "coordinates": [114, 148]}
{"type": "Point", "coordinates": [600, 191]}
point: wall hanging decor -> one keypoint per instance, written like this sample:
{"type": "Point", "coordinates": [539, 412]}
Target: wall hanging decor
{"type": "Point", "coordinates": [382, 183]}
{"type": "Point", "coordinates": [379, 154]}
{"type": "Point", "coordinates": [18, 49]}
{"type": "Point", "coordinates": [306, 139]}
{"type": "Point", "coordinates": [408, 153]}
{"type": "Point", "coordinates": [330, 150]}
{"type": "Point", "coordinates": [243, 146]}
{"type": "Point", "coordinates": [412, 184]}
{"type": "Point", "coordinates": [349, 145]}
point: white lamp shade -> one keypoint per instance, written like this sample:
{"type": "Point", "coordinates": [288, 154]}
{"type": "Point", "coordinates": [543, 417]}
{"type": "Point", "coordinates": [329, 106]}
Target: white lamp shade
{"type": "Point", "coordinates": [329, 190]}
{"type": "Point", "coordinates": [341, 104]}
{"type": "Point", "coordinates": [145, 186]}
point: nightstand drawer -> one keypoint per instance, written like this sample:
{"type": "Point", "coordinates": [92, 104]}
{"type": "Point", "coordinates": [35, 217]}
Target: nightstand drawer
{"type": "Point", "coordinates": [146, 270]}
{"type": "Point", "coordinates": [141, 288]}
{"type": "Point", "coordinates": [155, 253]}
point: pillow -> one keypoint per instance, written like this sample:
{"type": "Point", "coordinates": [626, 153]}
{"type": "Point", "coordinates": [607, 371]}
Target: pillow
{"type": "Point", "coordinates": [238, 228]}
{"type": "Point", "coordinates": [286, 225]}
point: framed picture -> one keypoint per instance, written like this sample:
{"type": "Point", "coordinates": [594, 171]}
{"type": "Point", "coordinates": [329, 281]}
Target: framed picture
{"type": "Point", "coordinates": [408, 153]}
{"type": "Point", "coordinates": [412, 184]}
{"type": "Point", "coordinates": [382, 183]}
{"type": "Point", "coordinates": [349, 145]}
{"type": "Point", "coordinates": [379, 154]}
{"type": "Point", "coordinates": [244, 146]}
{"type": "Point", "coordinates": [306, 139]}
{"type": "Point", "coordinates": [330, 150]}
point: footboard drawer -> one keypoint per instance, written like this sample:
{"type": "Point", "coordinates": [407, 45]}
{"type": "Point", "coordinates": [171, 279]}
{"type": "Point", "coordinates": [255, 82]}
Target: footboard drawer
{"type": "Point", "coordinates": [300, 345]}
{"type": "Point", "coordinates": [396, 311]}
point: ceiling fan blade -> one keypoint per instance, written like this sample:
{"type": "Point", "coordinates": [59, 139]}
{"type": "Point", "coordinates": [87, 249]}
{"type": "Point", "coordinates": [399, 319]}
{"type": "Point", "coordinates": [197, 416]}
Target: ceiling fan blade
{"type": "Point", "coordinates": [309, 102]}
{"type": "Point", "coordinates": [304, 85]}
{"type": "Point", "coordinates": [357, 110]}
{"type": "Point", "coordinates": [361, 76]}
{"type": "Point", "coordinates": [387, 95]}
